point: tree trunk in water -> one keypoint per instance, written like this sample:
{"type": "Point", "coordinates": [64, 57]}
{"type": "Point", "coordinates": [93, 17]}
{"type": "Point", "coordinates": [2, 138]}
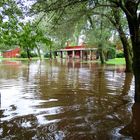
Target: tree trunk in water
{"type": "Point", "coordinates": [50, 52]}
{"type": "Point", "coordinates": [127, 52]}
{"type": "Point", "coordinates": [38, 50]}
{"type": "Point", "coordinates": [134, 27]}
{"type": "Point", "coordinates": [127, 83]}
{"type": "Point", "coordinates": [102, 59]}
{"type": "Point", "coordinates": [136, 67]}
{"type": "Point", "coordinates": [126, 46]}
{"type": "Point", "coordinates": [28, 54]}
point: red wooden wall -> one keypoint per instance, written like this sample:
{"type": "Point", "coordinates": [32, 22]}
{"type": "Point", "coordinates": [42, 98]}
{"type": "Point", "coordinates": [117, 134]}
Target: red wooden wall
{"type": "Point", "coordinates": [12, 53]}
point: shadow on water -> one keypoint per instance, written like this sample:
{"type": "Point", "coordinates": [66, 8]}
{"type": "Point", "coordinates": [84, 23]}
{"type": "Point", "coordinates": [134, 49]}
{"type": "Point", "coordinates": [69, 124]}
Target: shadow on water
{"type": "Point", "coordinates": [58, 100]}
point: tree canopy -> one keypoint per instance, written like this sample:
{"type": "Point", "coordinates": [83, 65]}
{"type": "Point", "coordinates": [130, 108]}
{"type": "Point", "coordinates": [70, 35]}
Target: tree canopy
{"type": "Point", "coordinates": [130, 10]}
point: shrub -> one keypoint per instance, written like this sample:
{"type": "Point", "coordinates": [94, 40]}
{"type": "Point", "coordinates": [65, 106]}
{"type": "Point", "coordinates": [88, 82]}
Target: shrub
{"type": "Point", "coordinates": [24, 54]}
{"type": "Point", "coordinates": [119, 54]}
{"type": "Point", "coordinates": [47, 55]}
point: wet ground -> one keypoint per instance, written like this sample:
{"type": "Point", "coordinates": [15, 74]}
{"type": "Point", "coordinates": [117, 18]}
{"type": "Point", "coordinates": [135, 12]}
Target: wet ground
{"type": "Point", "coordinates": [66, 100]}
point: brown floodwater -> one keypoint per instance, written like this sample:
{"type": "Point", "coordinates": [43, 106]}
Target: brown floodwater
{"type": "Point", "coordinates": [67, 100]}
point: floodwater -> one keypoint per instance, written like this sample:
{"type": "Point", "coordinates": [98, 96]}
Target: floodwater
{"type": "Point", "coordinates": [66, 100]}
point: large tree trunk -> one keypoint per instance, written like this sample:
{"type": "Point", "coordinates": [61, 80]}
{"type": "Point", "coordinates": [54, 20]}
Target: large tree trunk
{"type": "Point", "coordinates": [134, 22]}
{"type": "Point", "coordinates": [127, 51]}
{"type": "Point", "coordinates": [126, 46]}
{"type": "Point", "coordinates": [136, 66]}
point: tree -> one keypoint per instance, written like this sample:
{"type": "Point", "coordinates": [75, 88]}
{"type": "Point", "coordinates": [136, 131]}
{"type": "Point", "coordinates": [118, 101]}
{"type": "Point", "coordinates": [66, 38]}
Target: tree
{"type": "Point", "coordinates": [98, 35]}
{"type": "Point", "coordinates": [9, 23]}
{"type": "Point", "coordinates": [116, 18]}
{"type": "Point", "coordinates": [26, 39]}
{"type": "Point", "coordinates": [71, 16]}
{"type": "Point", "coordinates": [128, 54]}
{"type": "Point", "coordinates": [31, 37]}
{"type": "Point", "coordinates": [129, 7]}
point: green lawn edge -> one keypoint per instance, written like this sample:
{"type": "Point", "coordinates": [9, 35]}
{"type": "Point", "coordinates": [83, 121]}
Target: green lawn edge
{"type": "Point", "coordinates": [116, 61]}
{"type": "Point", "coordinates": [18, 59]}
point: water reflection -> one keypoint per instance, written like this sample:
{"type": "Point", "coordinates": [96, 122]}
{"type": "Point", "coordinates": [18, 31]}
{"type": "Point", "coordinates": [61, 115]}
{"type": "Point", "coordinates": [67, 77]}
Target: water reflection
{"type": "Point", "coordinates": [133, 128]}
{"type": "Point", "coordinates": [64, 100]}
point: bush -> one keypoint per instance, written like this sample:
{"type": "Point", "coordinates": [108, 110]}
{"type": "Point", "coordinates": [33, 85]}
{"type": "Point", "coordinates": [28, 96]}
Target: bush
{"type": "Point", "coordinates": [24, 55]}
{"type": "Point", "coordinates": [111, 53]}
{"type": "Point", "coordinates": [119, 54]}
{"type": "Point", "coordinates": [47, 55]}
{"type": "Point", "coordinates": [33, 55]}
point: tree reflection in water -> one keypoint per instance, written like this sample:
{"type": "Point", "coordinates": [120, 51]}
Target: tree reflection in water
{"type": "Point", "coordinates": [133, 128]}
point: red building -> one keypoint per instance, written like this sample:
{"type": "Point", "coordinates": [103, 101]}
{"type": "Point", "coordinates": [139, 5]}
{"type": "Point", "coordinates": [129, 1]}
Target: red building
{"type": "Point", "coordinates": [76, 49]}
{"type": "Point", "coordinates": [82, 52]}
{"type": "Point", "coordinates": [11, 53]}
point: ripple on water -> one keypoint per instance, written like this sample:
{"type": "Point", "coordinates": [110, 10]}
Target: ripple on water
{"type": "Point", "coordinates": [49, 99]}
{"type": "Point", "coordinates": [115, 135]}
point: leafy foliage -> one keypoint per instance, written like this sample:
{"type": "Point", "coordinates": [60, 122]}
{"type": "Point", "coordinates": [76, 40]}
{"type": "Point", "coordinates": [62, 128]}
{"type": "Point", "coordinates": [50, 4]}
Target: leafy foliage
{"type": "Point", "coordinates": [9, 23]}
{"type": "Point", "coordinates": [30, 37]}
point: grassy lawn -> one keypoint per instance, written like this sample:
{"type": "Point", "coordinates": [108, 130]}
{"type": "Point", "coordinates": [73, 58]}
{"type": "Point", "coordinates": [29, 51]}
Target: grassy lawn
{"type": "Point", "coordinates": [116, 61]}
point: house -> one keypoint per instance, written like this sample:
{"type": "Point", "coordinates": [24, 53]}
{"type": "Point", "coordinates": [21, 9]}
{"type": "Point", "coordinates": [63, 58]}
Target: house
{"type": "Point", "coordinates": [76, 50]}
{"type": "Point", "coordinates": [11, 53]}
{"type": "Point", "coordinates": [82, 52]}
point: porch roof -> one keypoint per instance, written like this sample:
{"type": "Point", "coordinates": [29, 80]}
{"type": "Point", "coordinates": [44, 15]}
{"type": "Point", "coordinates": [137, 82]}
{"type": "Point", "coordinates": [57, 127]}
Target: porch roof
{"type": "Point", "coordinates": [78, 49]}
